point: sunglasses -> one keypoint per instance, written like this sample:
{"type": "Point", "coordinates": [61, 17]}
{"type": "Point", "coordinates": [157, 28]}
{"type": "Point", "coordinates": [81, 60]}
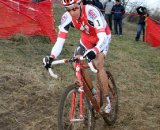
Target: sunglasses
{"type": "Point", "coordinates": [72, 9]}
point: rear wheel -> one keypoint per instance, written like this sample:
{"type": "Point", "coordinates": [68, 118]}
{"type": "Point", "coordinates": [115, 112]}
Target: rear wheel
{"type": "Point", "coordinates": [112, 116]}
{"type": "Point", "coordinates": [64, 111]}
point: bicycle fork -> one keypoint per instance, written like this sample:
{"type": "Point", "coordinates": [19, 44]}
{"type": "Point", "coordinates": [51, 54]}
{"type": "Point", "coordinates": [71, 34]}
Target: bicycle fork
{"type": "Point", "coordinates": [81, 92]}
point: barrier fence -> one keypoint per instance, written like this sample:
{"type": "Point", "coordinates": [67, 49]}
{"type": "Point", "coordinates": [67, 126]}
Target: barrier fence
{"type": "Point", "coordinates": [32, 18]}
{"type": "Point", "coordinates": [27, 17]}
{"type": "Point", "coordinates": [152, 35]}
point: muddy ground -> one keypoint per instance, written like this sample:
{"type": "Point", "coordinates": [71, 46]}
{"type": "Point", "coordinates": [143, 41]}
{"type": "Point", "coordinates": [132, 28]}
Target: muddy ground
{"type": "Point", "coordinates": [29, 97]}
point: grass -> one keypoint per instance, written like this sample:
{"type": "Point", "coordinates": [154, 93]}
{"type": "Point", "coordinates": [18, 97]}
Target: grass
{"type": "Point", "coordinates": [29, 97]}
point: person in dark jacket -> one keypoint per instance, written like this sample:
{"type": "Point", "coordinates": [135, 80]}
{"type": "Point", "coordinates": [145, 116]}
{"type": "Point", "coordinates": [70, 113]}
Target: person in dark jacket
{"type": "Point", "coordinates": [142, 12]}
{"type": "Point", "coordinates": [87, 2]}
{"type": "Point", "coordinates": [118, 11]}
{"type": "Point", "coordinates": [99, 5]}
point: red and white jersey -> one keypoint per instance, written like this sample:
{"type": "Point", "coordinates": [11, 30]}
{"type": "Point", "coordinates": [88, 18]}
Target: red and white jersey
{"type": "Point", "coordinates": [94, 30]}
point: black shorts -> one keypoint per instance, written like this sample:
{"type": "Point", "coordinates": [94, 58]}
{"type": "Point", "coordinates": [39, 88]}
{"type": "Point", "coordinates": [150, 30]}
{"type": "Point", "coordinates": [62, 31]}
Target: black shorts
{"type": "Point", "coordinates": [80, 50]}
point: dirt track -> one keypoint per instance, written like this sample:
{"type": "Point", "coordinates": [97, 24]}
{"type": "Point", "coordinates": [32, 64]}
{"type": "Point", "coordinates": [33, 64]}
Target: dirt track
{"type": "Point", "coordinates": [29, 98]}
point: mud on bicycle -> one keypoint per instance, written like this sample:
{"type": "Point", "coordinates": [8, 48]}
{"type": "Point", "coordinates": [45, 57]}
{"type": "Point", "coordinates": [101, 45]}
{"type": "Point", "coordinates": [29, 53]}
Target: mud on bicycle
{"type": "Point", "coordinates": [79, 107]}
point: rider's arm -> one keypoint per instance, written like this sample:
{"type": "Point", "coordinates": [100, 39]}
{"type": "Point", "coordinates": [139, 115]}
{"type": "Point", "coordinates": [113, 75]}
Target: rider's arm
{"type": "Point", "coordinates": [100, 26]}
{"type": "Point", "coordinates": [102, 42]}
{"type": "Point", "coordinates": [62, 35]}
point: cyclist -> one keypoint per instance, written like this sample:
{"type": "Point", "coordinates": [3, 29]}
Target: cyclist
{"type": "Point", "coordinates": [94, 41]}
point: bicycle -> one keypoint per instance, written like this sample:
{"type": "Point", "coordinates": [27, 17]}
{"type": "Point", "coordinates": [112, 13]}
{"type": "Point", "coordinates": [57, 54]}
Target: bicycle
{"type": "Point", "coordinates": [78, 107]}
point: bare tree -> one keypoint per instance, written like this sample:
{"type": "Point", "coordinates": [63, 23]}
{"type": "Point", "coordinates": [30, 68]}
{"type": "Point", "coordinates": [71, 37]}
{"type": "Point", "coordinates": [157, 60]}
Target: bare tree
{"type": "Point", "coordinates": [131, 6]}
{"type": "Point", "coordinates": [125, 3]}
{"type": "Point", "coordinates": [131, 9]}
{"type": "Point", "coordinates": [155, 14]}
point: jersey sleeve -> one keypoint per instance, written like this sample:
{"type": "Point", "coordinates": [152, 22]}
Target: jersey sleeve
{"type": "Point", "coordinates": [94, 15]}
{"type": "Point", "coordinates": [66, 21]}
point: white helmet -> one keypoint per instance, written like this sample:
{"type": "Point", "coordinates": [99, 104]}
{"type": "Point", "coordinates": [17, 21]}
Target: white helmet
{"type": "Point", "coordinates": [70, 2]}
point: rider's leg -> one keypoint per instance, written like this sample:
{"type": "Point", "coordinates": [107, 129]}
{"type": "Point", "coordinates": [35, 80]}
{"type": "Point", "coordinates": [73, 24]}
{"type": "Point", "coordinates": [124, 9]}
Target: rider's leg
{"type": "Point", "coordinates": [98, 62]}
{"type": "Point", "coordinates": [102, 76]}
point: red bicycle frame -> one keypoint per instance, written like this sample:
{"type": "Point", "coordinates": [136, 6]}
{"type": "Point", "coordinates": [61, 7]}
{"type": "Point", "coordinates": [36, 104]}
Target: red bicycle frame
{"type": "Point", "coordinates": [81, 90]}
{"type": "Point", "coordinates": [84, 87]}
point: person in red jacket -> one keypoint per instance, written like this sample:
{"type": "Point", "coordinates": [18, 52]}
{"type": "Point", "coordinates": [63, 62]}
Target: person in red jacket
{"type": "Point", "coordinates": [94, 41]}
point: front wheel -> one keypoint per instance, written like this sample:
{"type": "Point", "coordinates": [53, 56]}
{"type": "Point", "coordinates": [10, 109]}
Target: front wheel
{"type": "Point", "coordinates": [66, 107]}
{"type": "Point", "coordinates": [112, 116]}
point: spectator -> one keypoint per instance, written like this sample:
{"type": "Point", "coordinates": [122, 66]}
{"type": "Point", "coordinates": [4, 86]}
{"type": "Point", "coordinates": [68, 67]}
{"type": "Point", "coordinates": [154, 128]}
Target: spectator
{"type": "Point", "coordinates": [118, 11]}
{"type": "Point", "coordinates": [142, 12]}
{"type": "Point", "coordinates": [108, 15]}
{"type": "Point", "coordinates": [99, 5]}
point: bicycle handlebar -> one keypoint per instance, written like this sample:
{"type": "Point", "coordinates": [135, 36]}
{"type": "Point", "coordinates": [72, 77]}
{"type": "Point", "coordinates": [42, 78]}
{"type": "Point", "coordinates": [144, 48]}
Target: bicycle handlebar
{"type": "Point", "coordinates": [52, 74]}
